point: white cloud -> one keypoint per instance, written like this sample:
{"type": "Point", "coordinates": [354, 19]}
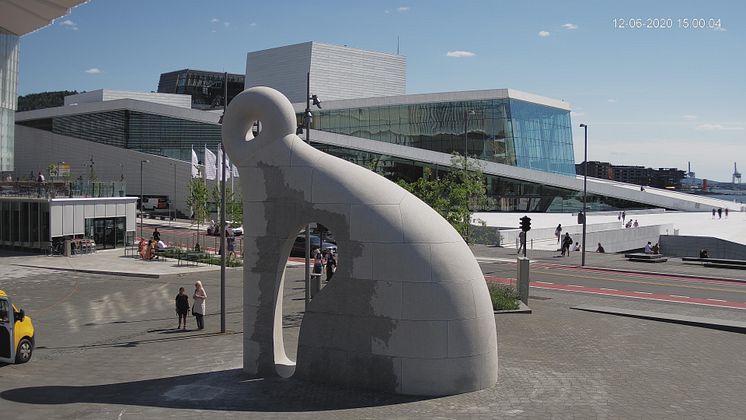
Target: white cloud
{"type": "Point", "coordinates": [213, 31]}
{"type": "Point", "coordinates": [543, 34]}
{"type": "Point", "coordinates": [252, 24]}
{"type": "Point", "coordinates": [717, 127]}
{"type": "Point", "coordinates": [69, 24]}
{"type": "Point", "coordinates": [570, 26]}
{"type": "Point", "coordinates": [402, 9]}
{"type": "Point", "coordinates": [689, 117]}
{"type": "Point", "coordinates": [94, 70]}
{"type": "Point", "coordinates": [460, 54]}
{"type": "Point", "coordinates": [611, 101]}
{"type": "Point", "coordinates": [720, 29]}
{"type": "Point", "coordinates": [387, 11]}
{"type": "Point", "coordinates": [214, 20]}
{"type": "Point", "coordinates": [226, 24]}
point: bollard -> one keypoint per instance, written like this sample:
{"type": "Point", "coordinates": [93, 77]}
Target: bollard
{"type": "Point", "coordinates": [315, 284]}
{"type": "Point", "coordinates": [523, 279]}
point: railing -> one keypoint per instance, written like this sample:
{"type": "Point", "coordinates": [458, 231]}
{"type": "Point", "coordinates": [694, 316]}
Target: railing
{"type": "Point", "coordinates": [61, 189]}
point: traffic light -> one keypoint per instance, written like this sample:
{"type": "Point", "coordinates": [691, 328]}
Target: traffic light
{"type": "Point", "coordinates": [525, 223]}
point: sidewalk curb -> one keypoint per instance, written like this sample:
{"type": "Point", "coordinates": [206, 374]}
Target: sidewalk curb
{"type": "Point", "coordinates": [522, 309]}
{"type": "Point", "coordinates": [712, 323]}
{"type": "Point", "coordinates": [89, 271]}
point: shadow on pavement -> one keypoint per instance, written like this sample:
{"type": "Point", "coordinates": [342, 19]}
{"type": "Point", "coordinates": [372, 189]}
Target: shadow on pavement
{"type": "Point", "coordinates": [230, 390]}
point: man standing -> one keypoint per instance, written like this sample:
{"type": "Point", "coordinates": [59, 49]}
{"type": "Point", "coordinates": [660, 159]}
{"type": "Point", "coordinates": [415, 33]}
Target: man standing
{"type": "Point", "coordinates": [522, 242]}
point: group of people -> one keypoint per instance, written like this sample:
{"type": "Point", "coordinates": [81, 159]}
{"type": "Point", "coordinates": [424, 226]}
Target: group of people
{"type": "Point", "coordinates": [631, 224]}
{"type": "Point", "coordinates": [323, 261]}
{"type": "Point", "coordinates": [198, 307]}
{"type": "Point", "coordinates": [719, 212]}
{"type": "Point", "coordinates": [147, 249]}
{"type": "Point", "coordinates": [566, 242]}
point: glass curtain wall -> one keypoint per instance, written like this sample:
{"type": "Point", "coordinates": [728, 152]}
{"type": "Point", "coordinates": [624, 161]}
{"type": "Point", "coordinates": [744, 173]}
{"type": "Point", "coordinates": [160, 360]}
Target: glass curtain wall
{"type": "Point", "coordinates": [507, 195]}
{"type": "Point", "coordinates": [505, 131]}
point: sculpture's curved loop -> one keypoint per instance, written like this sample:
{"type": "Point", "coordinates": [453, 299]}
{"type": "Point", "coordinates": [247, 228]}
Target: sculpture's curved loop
{"type": "Point", "coordinates": [408, 310]}
{"type": "Point", "coordinates": [262, 104]}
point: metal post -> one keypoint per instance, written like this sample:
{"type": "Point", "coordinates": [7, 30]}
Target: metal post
{"type": "Point", "coordinates": [307, 122]}
{"type": "Point", "coordinates": [141, 194]}
{"type": "Point", "coordinates": [222, 215]}
{"type": "Point", "coordinates": [585, 189]}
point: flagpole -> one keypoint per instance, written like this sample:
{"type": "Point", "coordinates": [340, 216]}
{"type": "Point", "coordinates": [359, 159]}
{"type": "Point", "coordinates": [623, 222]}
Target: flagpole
{"type": "Point", "coordinates": [222, 215]}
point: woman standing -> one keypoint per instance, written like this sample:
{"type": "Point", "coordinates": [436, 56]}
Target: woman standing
{"type": "Point", "coordinates": [198, 308]}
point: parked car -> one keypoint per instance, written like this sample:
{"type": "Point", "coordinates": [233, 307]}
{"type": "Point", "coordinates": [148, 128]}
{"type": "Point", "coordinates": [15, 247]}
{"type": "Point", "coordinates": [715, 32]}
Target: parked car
{"type": "Point", "coordinates": [16, 332]}
{"type": "Point", "coordinates": [299, 246]}
{"type": "Point", "coordinates": [212, 231]}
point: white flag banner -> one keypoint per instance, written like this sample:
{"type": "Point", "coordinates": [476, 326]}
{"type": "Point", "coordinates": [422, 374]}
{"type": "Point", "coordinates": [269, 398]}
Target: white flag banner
{"type": "Point", "coordinates": [234, 171]}
{"type": "Point", "coordinates": [220, 162]}
{"type": "Point", "coordinates": [210, 164]}
{"type": "Point", "coordinates": [195, 164]}
{"type": "Point", "coordinates": [227, 167]}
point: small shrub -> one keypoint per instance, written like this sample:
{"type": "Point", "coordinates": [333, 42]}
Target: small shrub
{"type": "Point", "coordinates": [503, 297]}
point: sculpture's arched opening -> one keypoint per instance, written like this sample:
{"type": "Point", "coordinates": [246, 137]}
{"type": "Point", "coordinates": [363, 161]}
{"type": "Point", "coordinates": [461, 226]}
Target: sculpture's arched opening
{"type": "Point", "coordinates": [291, 290]}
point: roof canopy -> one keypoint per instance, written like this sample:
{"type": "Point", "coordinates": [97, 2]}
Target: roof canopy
{"type": "Point", "coordinates": [24, 16]}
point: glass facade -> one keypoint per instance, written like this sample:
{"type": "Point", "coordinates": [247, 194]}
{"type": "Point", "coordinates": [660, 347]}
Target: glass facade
{"type": "Point", "coordinates": [508, 195]}
{"type": "Point", "coordinates": [206, 87]}
{"type": "Point", "coordinates": [508, 131]}
{"type": "Point", "coordinates": [8, 82]}
{"type": "Point", "coordinates": [149, 133]}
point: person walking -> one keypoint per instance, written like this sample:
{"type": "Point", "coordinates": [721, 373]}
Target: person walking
{"type": "Point", "coordinates": [558, 233]}
{"type": "Point", "coordinates": [713, 213]}
{"type": "Point", "coordinates": [720, 213]}
{"type": "Point", "coordinates": [726, 212]}
{"type": "Point", "coordinates": [624, 215]}
{"type": "Point", "coordinates": [521, 242]}
{"type": "Point", "coordinates": [566, 244]}
{"type": "Point", "coordinates": [331, 265]}
{"type": "Point", "coordinates": [199, 307]}
{"type": "Point", "coordinates": [156, 235]}
{"type": "Point", "coordinates": [182, 308]}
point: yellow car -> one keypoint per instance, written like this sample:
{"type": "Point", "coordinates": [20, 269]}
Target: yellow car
{"type": "Point", "coordinates": [16, 332]}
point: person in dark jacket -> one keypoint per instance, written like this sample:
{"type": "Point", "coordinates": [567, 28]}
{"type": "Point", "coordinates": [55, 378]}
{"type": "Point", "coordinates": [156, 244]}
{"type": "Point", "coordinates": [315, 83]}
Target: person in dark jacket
{"type": "Point", "coordinates": [331, 266]}
{"type": "Point", "coordinates": [182, 307]}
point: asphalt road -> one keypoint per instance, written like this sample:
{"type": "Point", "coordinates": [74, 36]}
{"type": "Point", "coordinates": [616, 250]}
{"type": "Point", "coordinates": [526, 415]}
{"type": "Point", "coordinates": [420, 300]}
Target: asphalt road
{"type": "Point", "coordinates": [108, 348]}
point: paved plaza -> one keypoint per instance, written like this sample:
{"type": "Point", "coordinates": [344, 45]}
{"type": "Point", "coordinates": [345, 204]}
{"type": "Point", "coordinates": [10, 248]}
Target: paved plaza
{"type": "Point", "coordinates": [108, 348]}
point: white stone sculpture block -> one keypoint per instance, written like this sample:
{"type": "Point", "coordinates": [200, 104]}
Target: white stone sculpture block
{"type": "Point", "coordinates": [408, 309]}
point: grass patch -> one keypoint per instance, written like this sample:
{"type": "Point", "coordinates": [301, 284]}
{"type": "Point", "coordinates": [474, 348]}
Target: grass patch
{"type": "Point", "coordinates": [504, 297]}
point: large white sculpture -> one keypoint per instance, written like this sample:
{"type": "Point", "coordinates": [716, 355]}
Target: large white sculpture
{"type": "Point", "coordinates": [408, 310]}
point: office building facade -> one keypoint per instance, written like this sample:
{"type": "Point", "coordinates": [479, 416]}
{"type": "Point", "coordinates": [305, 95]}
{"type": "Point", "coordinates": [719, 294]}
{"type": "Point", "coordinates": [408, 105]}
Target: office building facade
{"type": "Point", "coordinates": [205, 87]}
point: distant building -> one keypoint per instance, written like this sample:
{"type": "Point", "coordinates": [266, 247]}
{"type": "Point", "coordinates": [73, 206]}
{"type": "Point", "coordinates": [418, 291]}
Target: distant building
{"type": "Point", "coordinates": [639, 175]}
{"type": "Point", "coordinates": [205, 87]}
{"type": "Point", "coordinates": [337, 72]}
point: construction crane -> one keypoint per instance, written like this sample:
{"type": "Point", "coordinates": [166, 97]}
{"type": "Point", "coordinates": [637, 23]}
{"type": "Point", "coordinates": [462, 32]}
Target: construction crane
{"type": "Point", "coordinates": [736, 175]}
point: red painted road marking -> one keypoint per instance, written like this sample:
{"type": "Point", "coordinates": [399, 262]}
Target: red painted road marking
{"type": "Point", "coordinates": [620, 293]}
{"type": "Point", "coordinates": [637, 295]}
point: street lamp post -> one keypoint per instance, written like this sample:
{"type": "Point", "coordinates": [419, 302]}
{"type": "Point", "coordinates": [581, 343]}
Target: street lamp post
{"type": "Point", "coordinates": [142, 161]}
{"type": "Point", "coordinates": [467, 112]}
{"type": "Point", "coordinates": [585, 189]}
{"type": "Point", "coordinates": [307, 119]}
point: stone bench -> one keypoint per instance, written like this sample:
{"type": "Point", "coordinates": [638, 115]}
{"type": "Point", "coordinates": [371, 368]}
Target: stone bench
{"type": "Point", "coordinates": [642, 257]}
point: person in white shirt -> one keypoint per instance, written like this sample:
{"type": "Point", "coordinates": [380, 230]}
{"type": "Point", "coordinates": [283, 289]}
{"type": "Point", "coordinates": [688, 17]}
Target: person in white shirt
{"type": "Point", "coordinates": [160, 244]}
{"type": "Point", "coordinates": [649, 248]}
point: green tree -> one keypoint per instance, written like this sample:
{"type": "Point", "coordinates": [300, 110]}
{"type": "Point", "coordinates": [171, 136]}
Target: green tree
{"type": "Point", "coordinates": [233, 203]}
{"type": "Point", "coordinates": [454, 195]}
{"type": "Point", "coordinates": [197, 200]}
{"type": "Point", "coordinates": [43, 100]}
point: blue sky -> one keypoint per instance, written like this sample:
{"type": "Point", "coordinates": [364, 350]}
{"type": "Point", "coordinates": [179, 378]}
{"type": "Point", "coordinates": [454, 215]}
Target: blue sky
{"type": "Point", "coordinates": [653, 97]}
